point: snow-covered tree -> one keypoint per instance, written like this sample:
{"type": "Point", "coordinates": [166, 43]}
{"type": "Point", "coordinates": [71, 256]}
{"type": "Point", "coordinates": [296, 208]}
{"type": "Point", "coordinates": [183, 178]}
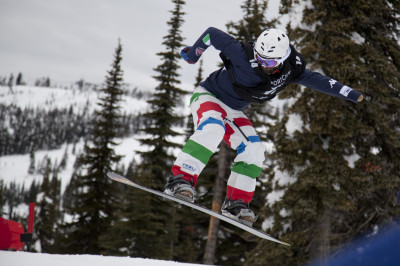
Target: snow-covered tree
{"type": "Point", "coordinates": [95, 198]}
{"type": "Point", "coordinates": [49, 213]}
{"type": "Point", "coordinates": [337, 163]}
{"type": "Point", "coordinates": [144, 218]}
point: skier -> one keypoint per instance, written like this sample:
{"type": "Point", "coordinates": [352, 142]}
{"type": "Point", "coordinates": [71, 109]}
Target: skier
{"type": "Point", "coordinates": [252, 72]}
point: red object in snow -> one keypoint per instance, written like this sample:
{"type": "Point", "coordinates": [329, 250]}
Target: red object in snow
{"type": "Point", "coordinates": [12, 234]}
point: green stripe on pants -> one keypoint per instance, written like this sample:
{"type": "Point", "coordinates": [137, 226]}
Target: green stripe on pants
{"type": "Point", "coordinates": [198, 151]}
{"type": "Point", "coordinates": [196, 95]}
{"type": "Point", "coordinates": [249, 170]}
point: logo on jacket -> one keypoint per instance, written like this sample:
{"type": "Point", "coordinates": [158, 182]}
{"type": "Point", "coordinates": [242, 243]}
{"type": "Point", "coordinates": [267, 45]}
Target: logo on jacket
{"type": "Point", "coordinates": [298, 60]}
{"type": "Point", "coordinates": [332, 82]}
{"type": "Point", "coordinates": [199, 51]}
{"type": "Point", "coordinates": [206, 40]}
{"type": "Point", "coordinates": [280, 81]}
{"type": "Point", "coordinates": [345, 90]}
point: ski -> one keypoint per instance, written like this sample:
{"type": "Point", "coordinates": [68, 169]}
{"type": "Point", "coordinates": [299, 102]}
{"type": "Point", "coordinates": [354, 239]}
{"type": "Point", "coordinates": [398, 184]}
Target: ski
{"type": "Point", "coordinates": [124, 180]}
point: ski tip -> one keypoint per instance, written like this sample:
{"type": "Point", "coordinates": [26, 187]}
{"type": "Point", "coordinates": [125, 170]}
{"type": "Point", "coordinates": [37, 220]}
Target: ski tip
{"type": "Point", "coordinates": [111, 174]}
{"type": "Point", "coordinates": [278, 241]}
{"type": "Point", "coordinates": [114, 176]}
{"type": "Point", "coordinates": [119, 178]}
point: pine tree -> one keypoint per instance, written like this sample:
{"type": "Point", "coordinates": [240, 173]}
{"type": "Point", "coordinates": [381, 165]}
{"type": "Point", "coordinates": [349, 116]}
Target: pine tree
{"type": "Point", "coordinates": [144, 218]}
{"type": "Point", "coordinates": [95, 196]}
{"type": "Point", "coordinates": [120, 239]}
{"type": "Point", "coordinates": [31, 194]}
{"type": "Point", "coordinates": [12, 197]}
{"type": "Point", "coordinates": [253, 21]}
{"type": "Point", "coordinates": [344, 159]}
{"type": "Point", "coordinates": [10, 82]}
{"type": "Point", "coordinates": [47, 82]}
{"type": "Point", "coordinates": [19, 80]}
{"type": "Point", "coordinates": [49, 211]}
{"type": "Point", "coordinates": [162, 117]}
{"type": "Point", "coordinates": [31, 169]}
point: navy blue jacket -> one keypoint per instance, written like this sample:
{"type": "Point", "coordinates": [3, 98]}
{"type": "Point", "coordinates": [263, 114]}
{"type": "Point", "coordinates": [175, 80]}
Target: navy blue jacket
{"type": "Point", "coordinates": [220, 84]}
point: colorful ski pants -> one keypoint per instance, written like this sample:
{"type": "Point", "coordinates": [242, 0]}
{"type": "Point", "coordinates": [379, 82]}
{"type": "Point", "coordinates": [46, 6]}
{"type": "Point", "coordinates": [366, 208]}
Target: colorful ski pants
{"type": "Point", "coordinates": [214, 121]}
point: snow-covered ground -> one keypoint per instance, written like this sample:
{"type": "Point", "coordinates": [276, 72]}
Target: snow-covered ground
{"type": "Point", "coordinates": [15, 167]}
{"type": "Point", "coordinates": [17, 258]}
{"type": "Point", "coordinates": [49, 98]}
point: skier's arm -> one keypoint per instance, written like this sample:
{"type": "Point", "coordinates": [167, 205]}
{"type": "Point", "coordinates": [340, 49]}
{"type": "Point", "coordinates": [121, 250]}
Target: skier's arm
{"type": "Point", "coordinates": [327, 85]}
{"type": "Point", "coordinates": [212, 36]}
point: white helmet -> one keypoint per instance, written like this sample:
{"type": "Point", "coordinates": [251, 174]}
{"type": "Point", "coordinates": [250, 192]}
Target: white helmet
{"type": "Point", "coordinates": [273, 44]}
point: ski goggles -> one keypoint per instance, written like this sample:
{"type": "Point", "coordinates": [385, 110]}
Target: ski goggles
{"type": "Point", "coordinates": [268, 63]}
{"type": "Point", "coordinates": [271, 62]}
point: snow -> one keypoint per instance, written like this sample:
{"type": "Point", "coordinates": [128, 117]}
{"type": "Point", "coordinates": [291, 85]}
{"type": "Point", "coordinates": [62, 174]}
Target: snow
{"type": "Point", "coordinates": [274, 196]}
{"type": "Point", "coordinates": [268, 223]}
{"type": "Point", "coordinates": [11, 258]}
{"type": "Point", "coordinates": [352, 159]}
{"type": "Point", "coordinates": [336, 186]}
{"type": "Point", "coordinates": [50, 98]}
{"type": "Point", "coordinates": [294, 123]}
{"type": "Point", "coordinates": [325, 142]}
{"type": "Point", "coordinates": [284, 213]}
{"type": "Point", "coordinates": [14, 168]}
{"type": "Point", "coordinates": [128, 147]}
{"type": "Point", "coordinates": [283, 178]}
{"type": "Point", "coordinates": [295, 16]}
{"type": "Point", "coordinates": [374, 150]}
{"type": "Point", "coordinates": [269, 147]}
{"type": "Point", "coordinates": [357, 38]}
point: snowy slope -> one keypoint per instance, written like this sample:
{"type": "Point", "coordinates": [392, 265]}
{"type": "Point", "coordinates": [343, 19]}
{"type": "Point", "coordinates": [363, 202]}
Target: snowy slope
{"type": "Point", "coordinates": [50, 98]}
{"type": "Point", "coordinates": [15, 167]}
{"type": "Point", "coordinates": [10, 258]}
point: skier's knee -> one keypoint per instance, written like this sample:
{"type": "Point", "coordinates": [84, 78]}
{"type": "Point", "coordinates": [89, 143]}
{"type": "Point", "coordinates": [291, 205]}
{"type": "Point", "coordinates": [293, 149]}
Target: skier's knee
{"type": "Point", "coordinates": [211, 122]}
{"type": "Point", "coordinates": [259, 151]}
{"type": "Point", "coordinates": [253, 153]}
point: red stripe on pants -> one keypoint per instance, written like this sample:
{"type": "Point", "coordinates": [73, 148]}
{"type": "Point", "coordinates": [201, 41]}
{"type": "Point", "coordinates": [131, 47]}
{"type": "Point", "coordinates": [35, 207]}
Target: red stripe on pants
{"type": "Point", "coordinates": [235, 194]}
{"type": "Point", "coordinates": [176, 170]}
{"type": "Point", "coordinates": [242, 121]}
{"type": "Point", "coordinates": [209, 106]}
{"type": "Point", "coordinates": [228, 133]}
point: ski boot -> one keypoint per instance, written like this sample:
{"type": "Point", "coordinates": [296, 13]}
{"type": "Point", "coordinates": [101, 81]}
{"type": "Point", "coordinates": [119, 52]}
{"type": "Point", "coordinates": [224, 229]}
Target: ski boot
{"type": "Point", "coordinates": [178, 187]}
{"type": "Point", "coordinates": [239, 211]}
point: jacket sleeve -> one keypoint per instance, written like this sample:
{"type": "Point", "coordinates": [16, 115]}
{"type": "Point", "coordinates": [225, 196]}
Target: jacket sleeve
{"type": "Point", "coordinates": [327, 85]}
{"type": "Point", "coordinates": [215, 37]}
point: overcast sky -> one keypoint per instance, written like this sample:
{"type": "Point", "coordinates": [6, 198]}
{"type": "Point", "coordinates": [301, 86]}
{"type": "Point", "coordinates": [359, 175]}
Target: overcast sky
{"type": "Point", "coordinates": [68, 40]}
